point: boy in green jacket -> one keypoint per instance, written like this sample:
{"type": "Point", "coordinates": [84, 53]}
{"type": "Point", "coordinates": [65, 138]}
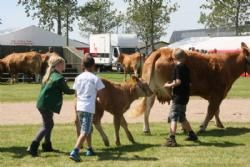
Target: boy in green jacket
{"type": "Point", "coordinates": [50, 101]}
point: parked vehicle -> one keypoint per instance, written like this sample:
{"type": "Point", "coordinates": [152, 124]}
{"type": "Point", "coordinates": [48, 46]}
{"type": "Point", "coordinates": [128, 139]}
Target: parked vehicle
{"type": "Point", "coordinates": [105, 48]}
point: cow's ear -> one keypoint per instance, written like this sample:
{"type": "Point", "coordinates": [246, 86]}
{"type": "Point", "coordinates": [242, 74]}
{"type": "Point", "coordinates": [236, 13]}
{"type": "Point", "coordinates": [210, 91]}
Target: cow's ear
{"type": "Point", "coordinates": [245, 49]}
{"type": "Point", "coordinates": [243, 45]}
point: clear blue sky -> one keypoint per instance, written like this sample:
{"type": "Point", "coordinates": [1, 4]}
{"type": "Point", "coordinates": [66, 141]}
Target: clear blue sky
{"type": "Point", "coordinates": [13, 16]}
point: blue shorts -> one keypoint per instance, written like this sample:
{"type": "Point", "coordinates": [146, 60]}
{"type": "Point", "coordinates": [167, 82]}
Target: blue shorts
{"type": "Point", "coordinates": [86, 120]}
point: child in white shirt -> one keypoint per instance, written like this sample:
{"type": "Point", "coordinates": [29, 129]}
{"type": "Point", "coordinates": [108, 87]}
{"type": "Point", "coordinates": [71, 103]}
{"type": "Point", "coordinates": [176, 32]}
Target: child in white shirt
{"type": "Point", "coordinates": [86, 86]}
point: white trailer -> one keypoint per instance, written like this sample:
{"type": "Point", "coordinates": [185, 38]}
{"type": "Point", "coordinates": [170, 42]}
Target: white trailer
{"type": "Point", "coordinates": [105, 48]}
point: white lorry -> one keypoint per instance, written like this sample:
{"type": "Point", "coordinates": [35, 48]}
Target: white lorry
{"type": "Point", "coordinates": [105, 48]}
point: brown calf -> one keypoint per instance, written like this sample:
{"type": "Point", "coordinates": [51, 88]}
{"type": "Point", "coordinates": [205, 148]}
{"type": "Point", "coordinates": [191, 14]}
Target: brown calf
{"type": "Point", "coordinates": [116, 99]}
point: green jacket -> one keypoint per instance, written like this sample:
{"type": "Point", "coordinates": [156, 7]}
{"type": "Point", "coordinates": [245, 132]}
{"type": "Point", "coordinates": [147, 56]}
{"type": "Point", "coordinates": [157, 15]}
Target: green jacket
{"type": "Point", "coordinates": [50, 98]}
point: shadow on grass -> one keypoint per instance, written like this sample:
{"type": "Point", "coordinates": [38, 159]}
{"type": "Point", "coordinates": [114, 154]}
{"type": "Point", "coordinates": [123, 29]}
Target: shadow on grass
{"type": "Point", "coordinates": [222, 144]}
{"type": "Point", "coordinates": [116, 153]}
{"type": "Point", "coordinates": [20, 152]}
{"type": "Point", "coordinates": [230, 131]}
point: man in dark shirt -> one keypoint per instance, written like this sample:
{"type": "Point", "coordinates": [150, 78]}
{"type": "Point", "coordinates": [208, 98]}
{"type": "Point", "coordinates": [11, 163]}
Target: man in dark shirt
{"type": "Point", "coordinates": [181, 89]}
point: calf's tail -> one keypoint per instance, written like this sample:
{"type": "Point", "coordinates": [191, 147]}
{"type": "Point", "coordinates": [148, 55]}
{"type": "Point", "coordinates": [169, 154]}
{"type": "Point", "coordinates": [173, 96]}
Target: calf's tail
{"type": "Point", "coordinates": [138, 109]}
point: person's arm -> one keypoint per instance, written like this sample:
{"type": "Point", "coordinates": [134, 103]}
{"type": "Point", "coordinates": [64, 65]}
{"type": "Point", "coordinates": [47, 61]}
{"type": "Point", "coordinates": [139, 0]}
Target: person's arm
{"type": "Point", "coordinates": [176, 81]}
{"type": "Point", "coordinates": [65, 88]}
{"type": "Point", "coordinates": [99, 85]}
{"type": "Point", "coordinates": [173, 84]}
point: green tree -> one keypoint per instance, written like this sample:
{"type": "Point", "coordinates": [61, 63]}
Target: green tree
{"type": "Point", "coordinates": [51, 13]}
{"type": "Point", "coordinates": [96, 16]}
{"type": "Point", "coordinates": [150, 18]}
{"type": "Point", "coordinates": [225, 13]}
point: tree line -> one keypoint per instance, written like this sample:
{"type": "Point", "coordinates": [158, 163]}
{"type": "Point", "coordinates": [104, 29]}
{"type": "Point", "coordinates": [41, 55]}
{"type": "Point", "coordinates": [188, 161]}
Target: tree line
{"type": "Point", "coordinates": [147, 18]}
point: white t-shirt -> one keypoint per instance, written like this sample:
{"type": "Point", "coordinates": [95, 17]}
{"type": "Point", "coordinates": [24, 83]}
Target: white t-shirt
{"type": "Point", "coordinates": [86, 85]}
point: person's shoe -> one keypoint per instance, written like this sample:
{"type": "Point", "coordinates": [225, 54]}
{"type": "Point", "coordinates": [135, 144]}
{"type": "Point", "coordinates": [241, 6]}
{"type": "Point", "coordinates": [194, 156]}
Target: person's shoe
{"type": "Point", "coordinates": [75, 156]}
{"type": "Point", "coordinates": [33, 149]}
{"type": "Point", "coordinates": [170, 142]}
{"type": "Point", "coordinates": [191, 137]}
{"type": "Point", "coordinates": [47, 147]}
{"type": "Point", "coordinates": [90, 152]}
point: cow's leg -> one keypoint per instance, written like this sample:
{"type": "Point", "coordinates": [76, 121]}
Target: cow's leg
{"type": "Point", "coordinates": [37, 78]}
{"type": "Point", "coordinates": [217, 119]}
{"type": "Point", "coordinates": [125, 127]}
{"type": "Point", "coordinates": [136, 72]}
{"type": "Point", "coordinates": [130, 73]}
{"type": "Point", "coordinates": [148, 103]}
{"type": "Point", "coordinates": [97, 122]}
{"type": "Point", "coordinates": [213, 106]}
{"type": "Point", "coordinates": [117, 123]}
{"type": "Point", "coordinates": [77, 125]}
{"type": "Point", "coordinates": [125, 74]}
{"type": "Point", "coordinates": [16, 78]}
{"type": "Point", "coordinates": [99, 128]}
{"type": "Point", "coordinates": [12, 78]}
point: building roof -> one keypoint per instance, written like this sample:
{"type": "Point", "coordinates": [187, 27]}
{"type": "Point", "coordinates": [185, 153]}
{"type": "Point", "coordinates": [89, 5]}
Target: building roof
{"type": "Point", "coordinates": [211, 43]}
{"type": "Point", "coordinates": [220, 32]}
{"type": "Point", "coordinates": [36, 36]}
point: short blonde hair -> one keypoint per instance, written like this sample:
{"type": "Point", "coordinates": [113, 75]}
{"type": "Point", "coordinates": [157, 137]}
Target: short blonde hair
{"type": "Point", "coordinates": [52, 62]}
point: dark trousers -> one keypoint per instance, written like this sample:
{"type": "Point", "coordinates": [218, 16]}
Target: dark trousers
{"type": "Point", "coordinates": [47, 127]}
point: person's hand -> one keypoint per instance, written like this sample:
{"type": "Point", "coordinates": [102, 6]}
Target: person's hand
{"type": "Point", "coordinates": [167, 85]}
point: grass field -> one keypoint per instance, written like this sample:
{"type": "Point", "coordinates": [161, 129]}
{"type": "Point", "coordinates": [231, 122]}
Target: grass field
{"type": "Point", "coordinates": [28, 92]}
{"type": "Point", "coordinates": [217, 147]}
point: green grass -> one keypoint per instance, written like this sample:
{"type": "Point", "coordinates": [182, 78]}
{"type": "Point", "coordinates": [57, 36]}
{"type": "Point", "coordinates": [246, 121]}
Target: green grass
{"type": "Point", "coordinates": [29, 92]}
{"type": "Point", "coordinates": [217, 147]}
{"type": "Point", "coordinates": [240, 89]}
{"type": "Point", "coordinates": [23, 92]}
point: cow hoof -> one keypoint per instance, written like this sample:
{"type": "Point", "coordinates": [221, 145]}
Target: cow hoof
{"type": "Point", "coordinates": [106, 143]}
{"type": "Point", "coordinates": [147, 133]}
{"type": "Point", "coordinates": [133, 142]}
{"type": "Point", "coordinates": [220, 126]}
{"type": "Point", "coordinates": [201, 131]}
{"type": "Point", "coordinates": [118, 143]}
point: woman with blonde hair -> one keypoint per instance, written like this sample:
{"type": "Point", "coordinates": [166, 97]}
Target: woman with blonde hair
{"type": "Point", "coordinates": [50, 101]}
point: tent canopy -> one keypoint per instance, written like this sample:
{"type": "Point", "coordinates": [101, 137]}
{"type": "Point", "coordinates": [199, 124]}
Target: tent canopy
{"type": "Point", "coordinates": [35, 36]}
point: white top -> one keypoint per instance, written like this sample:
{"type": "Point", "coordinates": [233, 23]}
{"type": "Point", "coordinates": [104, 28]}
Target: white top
{"type": "Point", "coordinates": [86, 85]}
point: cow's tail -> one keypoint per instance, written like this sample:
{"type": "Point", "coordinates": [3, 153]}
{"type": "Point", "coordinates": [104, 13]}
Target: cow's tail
{"type": "Point", "coordinates": [139, 108]}
{"type": "Point", "coordinates": [147, 75]}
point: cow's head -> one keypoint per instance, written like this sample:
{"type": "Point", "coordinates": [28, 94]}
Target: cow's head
{"type": "Point", "coordinates": [246, 54]}
{"type": "Point", "coordinates": [2, 67]}
{"type": "Point", "coordinates": [120, 58]}
{"type": "Point", "coordinates": [142, 87]}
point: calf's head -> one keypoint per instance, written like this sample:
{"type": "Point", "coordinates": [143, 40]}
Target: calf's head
{"type": "Point", "coordinates": [142, 88]}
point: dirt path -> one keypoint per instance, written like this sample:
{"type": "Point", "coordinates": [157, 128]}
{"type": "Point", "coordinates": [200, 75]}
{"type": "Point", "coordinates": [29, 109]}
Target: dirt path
{"type": "Point", "coordinates": [233, 110]}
